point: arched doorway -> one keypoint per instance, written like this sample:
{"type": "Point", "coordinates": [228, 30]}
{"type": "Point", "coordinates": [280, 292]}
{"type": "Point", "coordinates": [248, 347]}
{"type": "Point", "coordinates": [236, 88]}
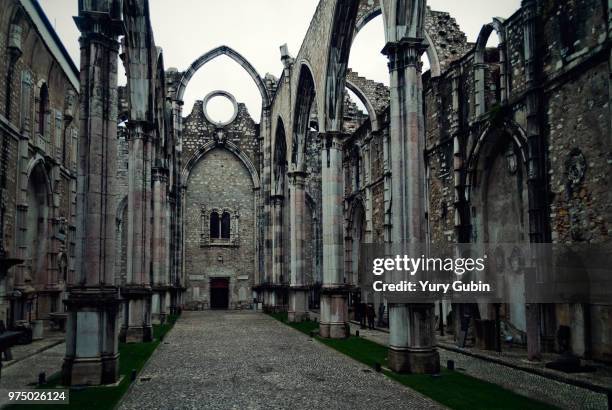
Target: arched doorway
{"type": "Point", "coordinates": [38, 302]}
{"type": "Point", "coordinates": [499, 212]}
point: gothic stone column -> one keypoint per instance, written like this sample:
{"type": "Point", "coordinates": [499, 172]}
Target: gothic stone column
{"type": "Point", "coordinates": [298, 292]}
{"type": "Point", "coordinates": [267, 202]}
{"type": "Point", "coordinates": [176, 210]}
{"type": "Point", "coordinates": [137, 290]}
{"type": "Point", "coordinates": [160, 250]}
{"type": "Point", "coordinates": [272, 295]}
{"type": "Point", "coordinates": [334, 294]}
{"type": "Point", "coordinates": [91, 339]}
{"type": "Point", "coordinates": [412, 338]}
{"type": "Point", "coordinates": [536, 175]}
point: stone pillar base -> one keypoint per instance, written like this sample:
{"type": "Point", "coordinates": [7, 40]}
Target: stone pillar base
{"type": "Point", "coordinates": [334, 330]}
{"type": "Point", "coordinates": [162, 318]}
{"type": "Point", "coordinates": [334, 315]}
{"type": "Point", "coordinates": [272, 300]}
{"type": "Point", "coordinates": [155, 308]}
{"type": "Point", "coordinates": [90, 371]}
{"type": "Point", "coordinates": [414, 361]}
{"type": "Point", "coordinates": [298, 304]}
{"type": "Point", "coordinates": [137, 334]}
{"type": "Point", "coordinates": [91, 337]}
{"type": "Point", "coordinates": [158, 307]}
{"type": "Point", "coordinates": [137, 327]}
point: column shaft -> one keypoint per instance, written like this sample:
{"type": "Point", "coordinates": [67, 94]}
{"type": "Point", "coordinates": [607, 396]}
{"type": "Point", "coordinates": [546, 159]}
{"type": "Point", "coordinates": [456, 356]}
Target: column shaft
{"type": "Point", "coordinates": [412, 338]}
{"type": "Point", "coordinates": [160, 256]}
{"type": "Point", "coordinates": [91, 336]}
{"type": "Point", "coordinates": [334, 308]}
{"type": "Point", "coordinates": [137, 291]}
{"type": "Point", "coordinates": [274, 285]}
{"type": "Point", "coordinates": [268, 229]}
{"type": "Point", "coordinates": [298, 292]}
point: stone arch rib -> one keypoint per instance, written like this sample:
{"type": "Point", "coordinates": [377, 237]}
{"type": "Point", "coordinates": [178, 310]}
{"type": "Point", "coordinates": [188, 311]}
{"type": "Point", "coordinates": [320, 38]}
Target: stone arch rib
{"type": "Point", "coordinates": [432, 54]}
{"type": "Point", "coordinates": [516, 134]}
{"type": "Point", "coordinates": [38, 163]}
{"type": "Point", "coordinates": [211, 55]}
{"type": "Point", "coordinates": [353, 85]}
{"type": "Point", "coordinates": [341, 39]}
{"type": "Point", "coordinates": [497, 25]}
{"type": "Point", "coordinates": [305, 97]}
{"type": "Point", "coordinates": [279, 156]}
{"type": "Point", "coordinates": [231, 147]}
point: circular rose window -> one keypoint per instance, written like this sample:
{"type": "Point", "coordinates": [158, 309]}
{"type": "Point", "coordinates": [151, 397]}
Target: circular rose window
{"type": "Point", "coordinates": [220, 108]}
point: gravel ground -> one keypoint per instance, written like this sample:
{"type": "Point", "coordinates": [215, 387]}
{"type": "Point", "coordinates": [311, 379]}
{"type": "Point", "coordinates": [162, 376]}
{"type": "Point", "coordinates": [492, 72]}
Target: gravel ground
{"type": "Point", "coordinates": [24, 373]}
{"type": "Point", "coordinates": [240, 360]}
{"type": "Point", "coordinates": [531, 385]}
{"type": "Point", "coordinates": [528, 384]}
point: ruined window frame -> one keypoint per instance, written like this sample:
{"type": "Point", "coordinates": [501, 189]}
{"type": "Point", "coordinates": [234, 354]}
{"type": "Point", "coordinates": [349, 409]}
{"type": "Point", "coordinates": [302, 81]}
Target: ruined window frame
{"type": "Point", "coordinates": [223, 232]}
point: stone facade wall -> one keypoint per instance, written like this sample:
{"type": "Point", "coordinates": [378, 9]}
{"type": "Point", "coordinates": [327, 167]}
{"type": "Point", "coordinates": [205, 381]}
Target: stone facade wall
{"type": "Point", "coordinates": [219, 180]}
{"type": "Point", "coordinates": [572, 72]}
{"type": "Point", "coordinates": [468, 157]}
{"type": "Point", "coordinates": [34, 157]}
{"type": "Point", "coordinates": [574, 102]}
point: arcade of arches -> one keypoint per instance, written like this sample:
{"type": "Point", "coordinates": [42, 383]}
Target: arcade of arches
{"type": "Point", "coordinates": [118, 208]}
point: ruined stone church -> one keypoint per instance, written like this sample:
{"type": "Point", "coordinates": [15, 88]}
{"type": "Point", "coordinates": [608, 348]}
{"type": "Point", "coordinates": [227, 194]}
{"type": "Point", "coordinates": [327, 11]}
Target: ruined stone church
{"type": "Point", "coordinates": [119, 208]}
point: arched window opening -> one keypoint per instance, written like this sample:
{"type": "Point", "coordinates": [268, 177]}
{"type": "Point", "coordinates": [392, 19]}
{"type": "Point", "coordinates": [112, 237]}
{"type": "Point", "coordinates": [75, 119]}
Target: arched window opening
{"type": "Point", "coordinates": [303, 115]}
{"type": "Point", "coordinates": [490, 71]}
{"type": "Point", "coordinates": [214, 226]}
{"type": "Point", "coordinates": [43, 109]}
{"type": "Point", "coordinates": [220, 229]}
{"type": "Point", "coordinates": [36, 226]}
{"type": "Point", "coordinates": [280, 158]}
{"type": "Point", "coordinates": [493, 59]}
{"type": "Point", "coordinates": [225, 225]}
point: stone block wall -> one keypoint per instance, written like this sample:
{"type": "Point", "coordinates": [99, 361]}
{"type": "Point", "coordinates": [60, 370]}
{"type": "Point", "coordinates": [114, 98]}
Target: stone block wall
{"type": "Point", "coordinates": [572, 80]}
{"type": "Point", "coordinates": [51, 155]}
{"type": "Point", "coordinates": [219, 180]}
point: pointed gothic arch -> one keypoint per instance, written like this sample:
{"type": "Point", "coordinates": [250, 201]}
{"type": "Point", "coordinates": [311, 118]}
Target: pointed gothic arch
{"type": "Point", "coordinates": [366, 102]}
{"type": "Point", "coordinates": [343, 28]}
{"type": "Point", "coordinates": [229, 146]}
{"type": "Point", "coordinates": [211, 55]}
{"type": "Point", "coordinates": [280, 162]}
{"type": "Point", "coordinates": [480, 67]}
{"type": "Point", "coordinates": [305, 98]}
{"type": "Point", "coordinates": [37, 236]}
{"type": "Point", "coordinates": [432, 53]}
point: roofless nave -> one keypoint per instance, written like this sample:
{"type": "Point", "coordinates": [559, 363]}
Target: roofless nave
{"type": "Point", "coordinates": [114, 226]}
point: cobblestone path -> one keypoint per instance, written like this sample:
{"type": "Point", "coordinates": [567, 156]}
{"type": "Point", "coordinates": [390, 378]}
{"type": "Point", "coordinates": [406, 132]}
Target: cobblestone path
{"type": "Point", "coordinates": [245, 360]}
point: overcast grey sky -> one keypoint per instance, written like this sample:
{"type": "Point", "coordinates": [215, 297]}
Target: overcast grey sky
{"type": "Point", "coordinates": [186, 29]}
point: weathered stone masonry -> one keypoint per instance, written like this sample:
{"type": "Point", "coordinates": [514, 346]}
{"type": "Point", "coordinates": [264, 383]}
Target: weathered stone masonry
{"type": "Point", "coordinates": [39, 125]}
{"type": "Point", "coordinates": [219, 181]}
{"type": "Point", "coordinates": [162, 211]}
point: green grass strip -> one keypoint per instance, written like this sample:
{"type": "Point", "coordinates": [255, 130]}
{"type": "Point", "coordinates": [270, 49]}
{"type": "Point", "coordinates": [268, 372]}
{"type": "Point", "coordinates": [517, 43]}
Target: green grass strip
{"type": "Point", "coordinates": [131, 356]}
{"type": "Point", "coordinates": [451, 388]}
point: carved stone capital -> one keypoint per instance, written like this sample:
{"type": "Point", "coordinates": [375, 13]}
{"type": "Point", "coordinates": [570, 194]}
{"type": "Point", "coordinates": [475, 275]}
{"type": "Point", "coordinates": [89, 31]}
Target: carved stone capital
{"type": "Point", "coordinates": [297, 178]}
{"type": "Point", "coordinates": [405, 53]}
